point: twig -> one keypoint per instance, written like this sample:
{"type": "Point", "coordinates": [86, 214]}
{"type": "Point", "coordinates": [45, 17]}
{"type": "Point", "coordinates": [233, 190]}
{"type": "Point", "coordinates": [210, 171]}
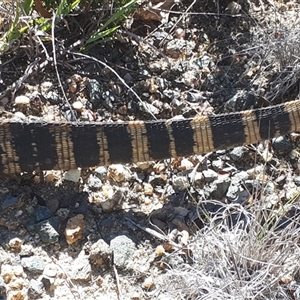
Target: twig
{"type": "Point", "coordinates": [118, 283]}
{"type": "Point", "coordinates": [139, 39]}
{"type": "Point", "coordinates": [118, 76]}
{"type": "Point", "coordinates": [33, 68]}
{"type": "Point", "coordinates": [69, 281]}
{"type": "Point", "coordinates": [182, 15]}
{"type": "Point", "coordinates": [153, 233]}
{"type": "Point", "coordinates": [56, 69]}
{"type": "Point", "coordinates": [16, 85]}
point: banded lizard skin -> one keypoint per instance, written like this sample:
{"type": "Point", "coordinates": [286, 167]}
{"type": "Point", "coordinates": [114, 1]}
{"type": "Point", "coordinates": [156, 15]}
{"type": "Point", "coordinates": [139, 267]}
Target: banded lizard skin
{"type": "Point", "coordinates": [29, 146]}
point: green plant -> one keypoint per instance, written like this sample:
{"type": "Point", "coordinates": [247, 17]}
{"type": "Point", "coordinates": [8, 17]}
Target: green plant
{"type": "Point", "coordinates": [112, 24]}
{"type": "Point", "coordinates": [24, 19]}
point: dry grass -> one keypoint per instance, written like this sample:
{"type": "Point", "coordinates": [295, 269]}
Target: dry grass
{"type": "Point", "coordinates": [258, 257]}
{"type": "Point", "coordinates": [242, 262]}
{"type": "Point", "coordinates": [275, 50]}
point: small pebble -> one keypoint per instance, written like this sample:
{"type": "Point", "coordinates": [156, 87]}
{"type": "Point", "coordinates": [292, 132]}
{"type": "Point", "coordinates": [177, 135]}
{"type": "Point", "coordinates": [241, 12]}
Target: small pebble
{"type": "Point", "coordinates": [81, 269]}
{"type": "Point", "coordinates": [73, 175]}
{"type": "Point", "coordinates": [73, 88]}
{"type": "Point", "coordinates": [119, 173]}
{"type": "Point", "coordinates": [33, 264]}
{"type": "Point", "coordinates": [160, 250]}
{"type": "Point", "coordinates": [9, 200]}
{"type": "Point", "coordinates": [74, 229]}
{"type": "Point", "coordinates": [50, 270]}
{"type": "Point", "coordinates": [22, 100]}
{"type": "Point", "coordinates": [148, 189]}
{"type": "Point", "coordinates": [78, 106]}
{"type": "Point", "coordinates": [76, 78]}
{"type": "Point", "coordinates": [15, 244]}
{"type": "Point", "coordinates": [148, 283]}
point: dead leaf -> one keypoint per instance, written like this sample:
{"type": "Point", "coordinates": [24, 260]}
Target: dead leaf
{"type": "Point", "coordinates": [155, 10]}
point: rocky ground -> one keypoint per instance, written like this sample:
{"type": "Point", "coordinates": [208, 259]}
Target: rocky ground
{"type": "Point", "coordinates": [215, 226]}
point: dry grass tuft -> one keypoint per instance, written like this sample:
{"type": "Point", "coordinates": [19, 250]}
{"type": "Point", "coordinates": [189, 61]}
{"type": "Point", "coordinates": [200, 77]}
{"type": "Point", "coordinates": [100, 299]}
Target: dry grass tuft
{"type": "Point", "coordinates": [243, 261]}
{"type": "Point", "coordinates": [276, 48]}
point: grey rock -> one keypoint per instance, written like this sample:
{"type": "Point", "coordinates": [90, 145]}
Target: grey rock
{"type": "Point", "coordinates": [81, 269]}
{"type": "Point", "coordinates": [123, 250]}
{"type": "Point", "coordinates": [33, 264]}
{"type": "Point", "coordinates": [148, 108]}
{"type": "Point", "coordinates": [197, 178]}
{"type": "Point", "coordinates": [177, 103]}
{"type": "Point", "coordinates": [2, 289]}
{"type": "Point", "coordinates": [210, 175]}
{"type": "Point", "coordinates": [101, 172]}
{"type": "Point", "coordinates": [242, 100]}
{"type": "Point", "coordinates": [242, 197]}
{"type": "Point", "coordinates": [282, 143]}
{"type": "Point", "coordinates": [175, 47]}
{"type": "Point", "coordinates": [107, 222]}
{"type": "Point", "coordinates": [237, 153]}
{"type": "Point", "coordinates": [54, 98]}
{"type": "Point", "coordinates": [53, 205]}
{"type": "Point", "coordinates": [180, 183]}
{"type": "Point", "coordinates": [128, 78]}
{"type": "Point", "coordinates": [94, 183]}
{"type": "Point", "coordinates": [297, 294]}
{"type": "Point", "coordinates": [269, 188]}
{"type": "Point", "coordinates": [46, 282]}
{"type": "Point", "coordinates": [252, 185]}
{"type": "Point", "coordinates": [171, 94]}
{"type": "Point", "coordinates": [195, 96]}
{"type": "Point", "coordinates": [42, 213]}
{"type": "Point", "coordinates": [35, 289]}
{"type": "Point", "coordinates": [63, 213]}
{"type": "Point", "coordinates": [296, 180]}
{"type": "Point", "coordinates": [108, 100]}
{"type": "Point", "coordinates": [219, 187]}
{"type": "Point", "coordinates": [236, 195]}
{"type": "Point", "coordinates": [70, 115]}
{"type": "Point", "coordinates": [100, 254]}
{"type": "Point", "coordinates": [81, 209]}
{"type": "Point", "coordinates": [240, 177]}
{"type": "Point", "coordinates": [232, 192]}
{"type": "Point", "coordinates": [161, 35]}
{"type": "Point", "coordinates": [217, 164]}
{"type": "Point", "coordinates": [95, 92]}
{"type": "Point", "coordinates": [204, 61]}
{"type": "Point", "coordinates": [47, 230]}
{"type": "Point", "coordinates": [162, 82]}
{"type": "Point", "coordinates": [9, 200]}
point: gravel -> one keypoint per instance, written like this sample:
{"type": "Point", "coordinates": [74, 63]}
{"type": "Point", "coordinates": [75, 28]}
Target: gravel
{"type": "Point", "coordinates": [184, 228]}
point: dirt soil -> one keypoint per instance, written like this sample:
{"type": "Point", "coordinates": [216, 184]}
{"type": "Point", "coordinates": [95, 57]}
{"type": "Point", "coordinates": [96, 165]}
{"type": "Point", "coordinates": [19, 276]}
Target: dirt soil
{"type": "Point", "coordinates": [112, 232]}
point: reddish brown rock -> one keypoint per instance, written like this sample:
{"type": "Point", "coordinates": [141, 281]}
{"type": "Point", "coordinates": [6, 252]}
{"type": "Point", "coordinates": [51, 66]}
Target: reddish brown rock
{"type": "Point", "coordinates": [74, 229]}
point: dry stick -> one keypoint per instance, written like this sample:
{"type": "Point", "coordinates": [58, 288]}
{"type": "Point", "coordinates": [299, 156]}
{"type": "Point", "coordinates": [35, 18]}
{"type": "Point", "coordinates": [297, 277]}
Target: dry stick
{"type": "Point", "coordinates": [154, 233]}
{"type": "Point", "coordinates": [69, 280]}
{"type": "Point", "coordinates": [118, 283]}
{"type": "Point", "coordinates": [182, 15]}
{"type": "Point", "coordinates": [31, 69]}
{"type": "Point", "coordinates": [139, 39]}
{"type": "Point", "coordinates": [56, 69]}
{"type": "Point", "coordinates": [118, 76]}
{"type": "Point", "coordinates": [16, 85]}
